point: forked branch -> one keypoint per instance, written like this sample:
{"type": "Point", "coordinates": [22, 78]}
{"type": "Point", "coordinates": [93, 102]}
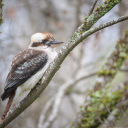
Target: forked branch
{"type": "Point", "coordinates": [75, 39]}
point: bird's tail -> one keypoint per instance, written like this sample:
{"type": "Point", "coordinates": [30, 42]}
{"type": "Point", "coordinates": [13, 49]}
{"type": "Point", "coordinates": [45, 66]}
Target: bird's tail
{"type": "Point", "coordinates": [11, 97]}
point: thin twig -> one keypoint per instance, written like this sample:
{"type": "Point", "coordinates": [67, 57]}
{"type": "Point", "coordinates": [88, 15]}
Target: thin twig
{"type": "Point", "coordinates": [63, 88]}
{"type": "Point", "coordinates": [45, 110]}
{"type": "Point", "coordinates": [101, 26]}
{"type": "Point", "coordinates": [57, 101]}
{"type": "Point", "coordinates": [52, 69]}
{"type": "Point", "coordinates": [105, 76]}
{"type": "Point", "coordinates": [89, 21]}
{"type": "Point", "coordinates": [92, 8]}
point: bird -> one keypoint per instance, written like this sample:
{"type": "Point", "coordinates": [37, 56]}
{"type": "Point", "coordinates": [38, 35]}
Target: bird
{"type": "Point", "coordinates": [28, 67]}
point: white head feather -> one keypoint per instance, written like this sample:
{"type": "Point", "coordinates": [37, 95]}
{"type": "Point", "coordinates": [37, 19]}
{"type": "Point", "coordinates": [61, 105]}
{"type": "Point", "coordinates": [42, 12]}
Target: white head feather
{"type": "Point", "coordinates": [37, 37]}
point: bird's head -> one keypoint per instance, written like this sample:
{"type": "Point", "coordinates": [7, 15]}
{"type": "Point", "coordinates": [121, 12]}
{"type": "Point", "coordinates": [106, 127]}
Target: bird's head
{"type": "Point", "coordinates": [44, 40]}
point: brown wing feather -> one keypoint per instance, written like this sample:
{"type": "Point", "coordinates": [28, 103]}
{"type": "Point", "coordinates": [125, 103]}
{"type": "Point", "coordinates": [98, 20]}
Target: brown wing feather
{"type": "Point", "coordinates": [24, 65]}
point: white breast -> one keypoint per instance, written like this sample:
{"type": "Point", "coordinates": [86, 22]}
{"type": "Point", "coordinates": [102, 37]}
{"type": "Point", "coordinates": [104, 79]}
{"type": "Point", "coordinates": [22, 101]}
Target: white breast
{"type": "Point", "coordinates": [31, 82]}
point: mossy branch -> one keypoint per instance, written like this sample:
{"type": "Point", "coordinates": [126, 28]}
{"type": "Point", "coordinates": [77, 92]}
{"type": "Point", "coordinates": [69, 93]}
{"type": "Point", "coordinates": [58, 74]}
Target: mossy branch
{"type": "Point", "coordinates": [96, 107]}
{"type": "Point", "coordinates": [90, 20]}
{"type": "Point", "coordinates": [1, 9]}
{"type": "Point", "coordinates": [100, 105]}
{"type": "Point", "coordinates": [114, 62]}
{"type": "Point", "coordinates": [55, 65]}
{"type": "Point", "coordinates": [119, 110]}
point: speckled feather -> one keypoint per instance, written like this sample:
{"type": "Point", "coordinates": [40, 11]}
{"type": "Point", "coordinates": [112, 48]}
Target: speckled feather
{"type": "Point", "coordinates": [24, 65]}
{"type": "Point", "coordinates": [28, 67]}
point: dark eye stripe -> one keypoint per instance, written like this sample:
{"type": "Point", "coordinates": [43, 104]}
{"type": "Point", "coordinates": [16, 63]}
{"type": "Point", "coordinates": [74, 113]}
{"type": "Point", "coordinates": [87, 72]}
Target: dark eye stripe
{"type": "Point", "coordinates": [44, 41]}
{"type": "Point", "coordinates": [35, 44]}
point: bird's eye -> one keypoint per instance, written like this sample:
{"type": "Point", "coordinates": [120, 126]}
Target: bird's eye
{"type": "Point", "coordinates": [44, 41]}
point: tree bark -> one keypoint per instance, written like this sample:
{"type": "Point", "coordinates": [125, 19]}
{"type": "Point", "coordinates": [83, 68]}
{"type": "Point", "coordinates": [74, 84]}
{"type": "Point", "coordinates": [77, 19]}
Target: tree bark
{"type": "Point", "coordinates": [102, 98]}
{"type": "Point", "coordinates": [75, 39]}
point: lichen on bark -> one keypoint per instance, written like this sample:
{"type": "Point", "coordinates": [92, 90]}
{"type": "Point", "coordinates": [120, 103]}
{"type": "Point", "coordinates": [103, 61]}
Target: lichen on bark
{"type": "Point", "coordinates": [89, 21]}
{"type": "Point", "coordinates": [102, 98]}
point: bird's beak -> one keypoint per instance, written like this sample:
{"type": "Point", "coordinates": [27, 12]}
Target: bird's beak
{"type": "Point", "coordinates": [54, 43]}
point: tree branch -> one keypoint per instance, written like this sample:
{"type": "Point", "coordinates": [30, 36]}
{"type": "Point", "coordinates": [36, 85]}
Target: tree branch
{"type": "Point", "coordinates": [55, 65]}
{"type": "Point", "coordinates": [100, 11]}
{"type": "Point", "coordinates": [44, 112]}
{"type": "Point", "coordinates": [91, 111]}
{"type": "Point", "coordinates": [92, 8]}
{"type": "Point", "coordinates": [102, 26]}
{"type": "Point", "coordinates": [57, 101]}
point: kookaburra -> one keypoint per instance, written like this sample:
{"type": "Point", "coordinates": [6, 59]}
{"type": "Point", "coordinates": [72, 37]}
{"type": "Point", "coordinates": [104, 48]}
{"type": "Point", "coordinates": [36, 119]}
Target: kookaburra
{"type": "Point", "coordinates": [28, 67]}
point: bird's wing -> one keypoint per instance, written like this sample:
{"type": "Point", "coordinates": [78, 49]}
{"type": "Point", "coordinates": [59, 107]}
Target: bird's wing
{"type": "Point", "coordinates": [24, 65]}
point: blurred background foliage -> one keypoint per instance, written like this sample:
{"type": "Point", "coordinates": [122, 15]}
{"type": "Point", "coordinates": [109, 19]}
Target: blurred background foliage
{"type": "Point", "coordinates": [61, 18]}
